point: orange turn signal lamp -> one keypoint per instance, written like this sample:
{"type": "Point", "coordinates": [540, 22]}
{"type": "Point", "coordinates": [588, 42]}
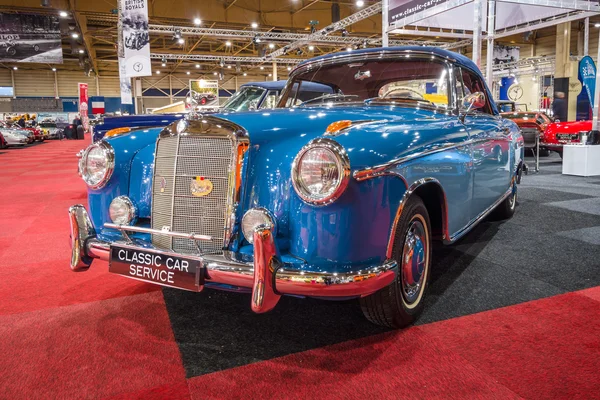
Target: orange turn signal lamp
{"type": "Point", "coordinates": [337, 126]}
{"type": "Point", "coordinates": [117, 131]}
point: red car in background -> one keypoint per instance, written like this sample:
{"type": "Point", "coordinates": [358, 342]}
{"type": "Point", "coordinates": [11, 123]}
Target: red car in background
{"type": "Point", "coordinates": [560, 133]}
{"type": "Point", "coordinates": [532, 123]}
{"type": "Point", "coordinates": [38, 134]}
{"type": "Point", "coordinates": [3, 143]}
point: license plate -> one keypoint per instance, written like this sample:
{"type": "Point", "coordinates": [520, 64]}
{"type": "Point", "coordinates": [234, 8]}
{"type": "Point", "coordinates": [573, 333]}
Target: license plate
{"type": "Point", "coordinates": [567, 136]}
{"type": "Point", "coordinates": [158, 267]}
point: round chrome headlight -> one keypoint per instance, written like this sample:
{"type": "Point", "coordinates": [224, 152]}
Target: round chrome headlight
{"type": "Point", "coordinates": [97, 164]}
{"type": "Point", "coordinates": [254, 218]}
{"type": "Point", "coordinates": [122, 211]}
{"type": "Point", "coordinates": [321, 171]}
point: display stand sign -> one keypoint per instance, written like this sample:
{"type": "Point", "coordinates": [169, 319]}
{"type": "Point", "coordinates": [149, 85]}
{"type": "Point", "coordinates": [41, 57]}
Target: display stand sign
{"type": "Point", "coordinates": [83, 104]}
{"type": "Point", "coordinates": [587, 73]}
{"type": "Point", "coordinates": [125, 83]}
{"type": "Point", "coordinates": [458, 14]}
{"type": "Point", "coordinates": [205, 92]}
{"type": "Point", "coordinates": [136, 37]}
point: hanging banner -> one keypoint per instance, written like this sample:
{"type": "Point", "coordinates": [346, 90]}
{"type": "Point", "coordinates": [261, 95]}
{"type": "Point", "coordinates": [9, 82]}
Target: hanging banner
{"type": "Point", "coordinates": [30, 38]}
{"type": "Point", "coordinates": [136, 38]}
{"type": "Point", "coordinates": [205, 92]}
{"type": "Point", "coordinates": [126, 96]}
{"type": "Point", "coordinates": [83, 104]}
{"type": "Point", "coordinates": [587, 74]}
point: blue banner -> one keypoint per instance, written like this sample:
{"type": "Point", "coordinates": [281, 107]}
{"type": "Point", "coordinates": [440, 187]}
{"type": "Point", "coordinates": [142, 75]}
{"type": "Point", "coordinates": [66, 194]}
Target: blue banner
{"type": "Point", "coordinates": [587, 75]}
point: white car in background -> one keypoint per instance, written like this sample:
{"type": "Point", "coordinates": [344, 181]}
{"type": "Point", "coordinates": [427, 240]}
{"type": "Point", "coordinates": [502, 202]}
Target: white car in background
{"type": "Point", "coordinates": [15, 137]}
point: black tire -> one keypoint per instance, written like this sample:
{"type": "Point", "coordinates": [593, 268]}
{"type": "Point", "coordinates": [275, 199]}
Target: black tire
{"type": "Point", "coordinates": [36, 48]}
{"type": "Point", "coordinates": [506, 209]}
{"type": "Point", "coordinates": [11, 51]}
{"type": "Point", "coordinates": [391, 306]}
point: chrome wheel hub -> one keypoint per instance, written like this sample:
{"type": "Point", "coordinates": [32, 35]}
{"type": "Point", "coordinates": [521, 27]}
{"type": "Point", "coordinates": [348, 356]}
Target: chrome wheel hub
{"type": "Point", "coordinates": [414, 261]}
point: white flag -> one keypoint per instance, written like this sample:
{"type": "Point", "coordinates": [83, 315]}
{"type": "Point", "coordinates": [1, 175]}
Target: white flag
{"type": "Point", "coordinates": [136, 38]}
{"type": "Point", "coordinates": [126, 97]}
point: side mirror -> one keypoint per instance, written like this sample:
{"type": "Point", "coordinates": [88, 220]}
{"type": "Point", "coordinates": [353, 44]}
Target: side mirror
{"type": "Point", "coordinates": [473, 101]}
{"type": "Point", "coordinates": [470, 102]}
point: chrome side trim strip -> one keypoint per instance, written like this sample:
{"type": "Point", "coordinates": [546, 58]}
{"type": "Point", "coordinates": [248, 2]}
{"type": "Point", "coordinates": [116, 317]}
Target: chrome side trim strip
{"type": "Point", "coordinates": [383, 169]}
{"type": "Point", "coordinates": [480, 217]}
{"type": "Point", "coordinates": [129, 228]}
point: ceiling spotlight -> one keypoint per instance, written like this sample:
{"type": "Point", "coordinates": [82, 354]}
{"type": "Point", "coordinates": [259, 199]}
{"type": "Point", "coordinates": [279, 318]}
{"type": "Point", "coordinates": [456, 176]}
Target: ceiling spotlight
{"type": "Point", "coordinates": [348, 48]}
{"type": "Point", "coordinates": [229, 67]}
{"type": "Point", "coordinates": [245, 74]}
{"type": "Point", "coordinates": [364, 44]}
{"type": "Point", "coordinates": [63, 14]}
{"type": "Point", "coordinates": [597, 25]}
{"type": "Point", "coordinates": [181, 40]}
{"type": "Point", "coordinates": [228, 43]}
{"type": "Point", "coordinates": [197, 21]}
{"type": "Point", "coordinates": [270, 74]}
{"type": "Point", "coordinates": [221, 63]}
{"type": "Point", "coordinates": [163, 64]}
{"type": "Point", "coordinates": [157, 72]}
{"type": "Point", "coordinates": [53, 69]}
{"type": "Point", "coordinates": [177, 33]}
{"type": "Point", "coordinates": [311, 48]}
{"type": "Point", "coordinates": [289, 68]}
{"type": "Point", "coordinates": [15, 68]}
{"type": "Point", "coordinates": [81, 51]}
{"type": "Point", "coordinates": [74, 35]}
{"type": "Point", "coordinates": [188, 72]}
{"type": "Point", "coordinates": [360, 3]}
{"type": "Point", "coordinates": [271, 45]}
{"type": "Point", "coordinates": [215, 73]}
{"type": "Point", "coordinates": [197, 65]}
{"type": "Point", "coordinates": [261, 67]}
{"type": "Point", "coordinates": [299, 52]}
{"type": "Point", "coordinates": [254, 25]}
{"type": "Point", "coordinates": [345, 33]}
{"type": "Point", "coordinates": [256, 40]}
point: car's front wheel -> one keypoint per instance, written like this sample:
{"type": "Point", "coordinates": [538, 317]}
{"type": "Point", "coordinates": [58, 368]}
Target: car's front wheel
{"type": "Point", "coordinates": [400, 303]}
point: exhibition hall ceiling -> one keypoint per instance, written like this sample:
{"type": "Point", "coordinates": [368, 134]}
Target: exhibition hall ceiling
{"type": "Point", "coordinates": [241, 22]}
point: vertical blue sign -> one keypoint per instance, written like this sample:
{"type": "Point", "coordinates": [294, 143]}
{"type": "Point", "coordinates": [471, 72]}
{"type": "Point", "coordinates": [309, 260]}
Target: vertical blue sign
{"type": "Point", "coordinates": [587, 75]}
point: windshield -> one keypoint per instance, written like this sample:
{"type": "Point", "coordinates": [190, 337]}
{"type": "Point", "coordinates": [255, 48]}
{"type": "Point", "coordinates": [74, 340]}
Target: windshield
{"type": "Point", "coordinates": [244, 99]}
{"type": "Point", "coordinates": [48, 125]}
{"type": "Point", "coordinates": [407, 80]}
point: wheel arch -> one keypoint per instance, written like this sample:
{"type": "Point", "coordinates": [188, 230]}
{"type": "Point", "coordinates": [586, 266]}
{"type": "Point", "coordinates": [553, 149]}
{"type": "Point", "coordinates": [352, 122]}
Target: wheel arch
{"type": "Point", "coordinates": [431, 192]}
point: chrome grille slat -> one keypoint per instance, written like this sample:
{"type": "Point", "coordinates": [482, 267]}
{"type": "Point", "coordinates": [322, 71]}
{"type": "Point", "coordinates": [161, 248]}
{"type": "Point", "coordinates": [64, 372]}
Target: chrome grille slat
{"type": "Point", "coordinates": [179, 160]}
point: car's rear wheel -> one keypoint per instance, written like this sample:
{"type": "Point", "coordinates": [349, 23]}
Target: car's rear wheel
{"type": "Point", "coordinates": [506, 209]}
{"type": "Point", "coordinates": [400, 303]}
{"type": "Point", "coordinates": [36, 47]}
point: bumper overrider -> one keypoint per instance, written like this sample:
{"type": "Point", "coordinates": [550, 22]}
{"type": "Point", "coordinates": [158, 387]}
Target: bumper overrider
{"type": "Point", "coordinates": [266, 276]}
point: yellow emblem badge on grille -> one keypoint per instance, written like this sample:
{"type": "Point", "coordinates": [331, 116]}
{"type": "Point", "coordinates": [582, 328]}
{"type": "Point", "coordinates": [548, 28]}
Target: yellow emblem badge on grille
{"type": "Point", "coordinates": [201, 186]}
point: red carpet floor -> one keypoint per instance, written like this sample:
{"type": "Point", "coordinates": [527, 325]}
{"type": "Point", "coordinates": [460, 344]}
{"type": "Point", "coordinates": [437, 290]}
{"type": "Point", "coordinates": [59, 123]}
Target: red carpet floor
{"type": "Point", "coordinates": [92, 335]}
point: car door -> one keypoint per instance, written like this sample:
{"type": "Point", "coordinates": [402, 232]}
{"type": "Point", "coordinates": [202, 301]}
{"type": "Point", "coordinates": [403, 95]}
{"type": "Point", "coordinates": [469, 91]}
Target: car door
{"type": "Point", "coordinates": [490, 149]}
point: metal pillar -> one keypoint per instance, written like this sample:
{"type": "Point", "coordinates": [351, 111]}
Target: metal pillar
{"type": "Point", "coordinates": [595, 124]}
{"type": "Point", "coordinates": [56, 85]}
{"type": "Point", "coordinates": [586, 37]}
{"type": "Point", "coordinates": [274, 70]}
{"type": "Point", "coordinates": [97, 86]}
{"type": "Point", "coordinates": [385, 7]}
{"type": "Point", "coordinates": [477, 21]}
{"type": "Point", "coordinates": [12, 80]}
{"type": "Point", "coordinates": [491, 28]}
{"type": "Point", "coordinates": [170, 90]}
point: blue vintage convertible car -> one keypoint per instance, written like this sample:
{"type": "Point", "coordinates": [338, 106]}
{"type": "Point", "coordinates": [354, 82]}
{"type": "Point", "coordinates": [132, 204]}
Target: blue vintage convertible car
{"type": "Point", "coordinates": [337, 197]}
{"type": "Point", "coordinates": [251, 96]}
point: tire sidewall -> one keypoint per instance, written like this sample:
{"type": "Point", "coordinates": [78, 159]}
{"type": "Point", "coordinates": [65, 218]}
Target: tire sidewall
{"type": "Point", "coordinates": [414, 210]}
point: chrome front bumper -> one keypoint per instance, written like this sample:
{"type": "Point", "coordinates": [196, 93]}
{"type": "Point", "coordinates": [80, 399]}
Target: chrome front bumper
{"type": "Point", "coordinates": [266, 276]}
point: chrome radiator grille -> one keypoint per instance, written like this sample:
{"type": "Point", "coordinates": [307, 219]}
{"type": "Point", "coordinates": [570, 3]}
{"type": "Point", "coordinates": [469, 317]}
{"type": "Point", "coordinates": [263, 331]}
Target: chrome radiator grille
{"type": "Point", "coordinates": [179, 161]}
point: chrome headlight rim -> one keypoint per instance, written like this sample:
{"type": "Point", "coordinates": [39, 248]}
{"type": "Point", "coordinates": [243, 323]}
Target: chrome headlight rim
{"type": "Point", "coordinates": [131, 209]}
{"type": "Point", "coordinates": [342, 162]}
{"type": "Point", "coordinates": [266, 213]}
{"type": "Point", "coordinates": [109, 155]}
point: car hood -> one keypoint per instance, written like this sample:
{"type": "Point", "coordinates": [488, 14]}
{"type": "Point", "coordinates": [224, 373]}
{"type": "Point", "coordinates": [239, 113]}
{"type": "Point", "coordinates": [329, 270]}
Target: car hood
{"type": "Point", "coordinates": [287, 130]}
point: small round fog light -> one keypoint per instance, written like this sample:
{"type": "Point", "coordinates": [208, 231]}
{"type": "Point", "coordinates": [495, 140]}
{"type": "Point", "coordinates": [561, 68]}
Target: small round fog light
{"type": "Point", "coordinates": [254, 218]}
{"type": "Point", "coordinates": [122, 211]}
